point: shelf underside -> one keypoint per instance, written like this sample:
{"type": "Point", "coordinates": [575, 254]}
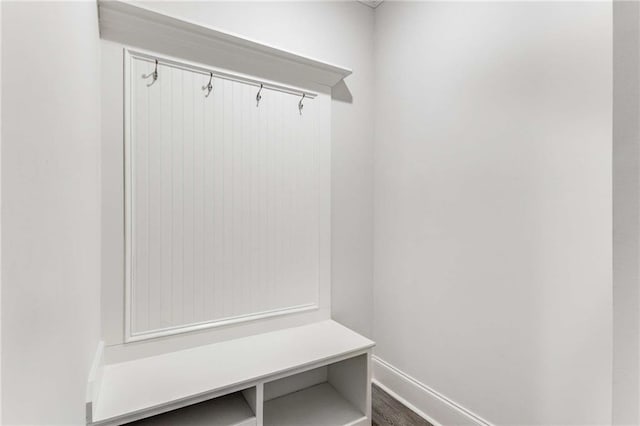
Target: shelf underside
{"type": "Point", "coordinates": [228, 410]}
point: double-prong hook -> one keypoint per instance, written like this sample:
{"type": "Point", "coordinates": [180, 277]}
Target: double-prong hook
{"type": "Point", "coordinates": [153, 74]}
{"type": "Point", "coordinates": [209, 86]}
{"type": "Point", "coordinates": [259, 96]}
{"type": "Point", "coordinates": [300, 104]}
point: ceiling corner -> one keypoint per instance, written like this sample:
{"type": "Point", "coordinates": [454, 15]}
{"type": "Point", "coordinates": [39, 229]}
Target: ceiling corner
{"type": "Point", "coordinates": [371, 3]}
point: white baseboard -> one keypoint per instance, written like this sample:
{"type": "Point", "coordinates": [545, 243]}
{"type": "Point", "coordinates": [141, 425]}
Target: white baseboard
{"type": "Point", "coordinates": [94, 380]}
{"type": "Point", "coordinates": [434, 407]}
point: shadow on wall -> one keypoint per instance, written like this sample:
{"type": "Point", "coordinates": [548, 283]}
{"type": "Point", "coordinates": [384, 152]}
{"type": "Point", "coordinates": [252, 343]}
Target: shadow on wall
{"type": "Point", "coordinates": [341, 92]}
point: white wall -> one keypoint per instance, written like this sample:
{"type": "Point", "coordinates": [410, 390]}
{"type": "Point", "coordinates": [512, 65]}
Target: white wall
{"type": "Point", "coordinates": [0, 212]}
{"type": "Point", "coordinates": [493, 205]}
{"type": "Point", "coordinates": [626, 203]}
{"type": "Point", "coordinates": [50, 209]}
{"type": "Point", "coordinates": [300, 27]}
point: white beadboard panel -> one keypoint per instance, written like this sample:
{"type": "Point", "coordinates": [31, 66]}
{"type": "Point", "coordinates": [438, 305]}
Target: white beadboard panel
{"type": "Point", "coordinates": [224, 200]}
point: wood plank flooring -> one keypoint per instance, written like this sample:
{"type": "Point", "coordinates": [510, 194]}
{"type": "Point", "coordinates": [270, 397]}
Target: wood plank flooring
{"type": "Point", "coordinates": [387, 411]}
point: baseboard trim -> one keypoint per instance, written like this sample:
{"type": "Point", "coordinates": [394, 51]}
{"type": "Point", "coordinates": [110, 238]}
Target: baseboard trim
{"type": "Point", "coordinates": [434, 407]}
{"type": "Point", "coordinates": [93, 381]}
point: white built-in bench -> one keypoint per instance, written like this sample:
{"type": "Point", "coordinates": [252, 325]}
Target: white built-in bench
{"type": "Point", "coordinates": [317, 374]}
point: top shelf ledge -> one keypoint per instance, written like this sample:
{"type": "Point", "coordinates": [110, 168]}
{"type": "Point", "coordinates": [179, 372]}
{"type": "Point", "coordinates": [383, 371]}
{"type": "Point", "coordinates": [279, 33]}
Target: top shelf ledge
{"type": "Point", "coordinates": [135, 24]}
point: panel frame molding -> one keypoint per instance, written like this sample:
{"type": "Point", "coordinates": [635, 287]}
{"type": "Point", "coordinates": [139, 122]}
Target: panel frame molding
{"type": "Point", "coordinates": [324, 285]}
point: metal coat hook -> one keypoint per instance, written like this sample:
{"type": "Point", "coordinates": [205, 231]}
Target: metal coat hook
{"type": "Point", "coordinates": [209, 86]}
{"type": "Point", "coordinates": [259, 96]}
{"type": "Point", "coordinates": [300, 104]}
{"type": "Point", "coordinates": [154, 74]}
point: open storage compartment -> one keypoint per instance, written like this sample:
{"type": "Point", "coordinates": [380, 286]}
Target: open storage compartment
{"type": "Point", "coordinates": [332, 395]}
{"type": "Point", "coordinates": [234, 409]}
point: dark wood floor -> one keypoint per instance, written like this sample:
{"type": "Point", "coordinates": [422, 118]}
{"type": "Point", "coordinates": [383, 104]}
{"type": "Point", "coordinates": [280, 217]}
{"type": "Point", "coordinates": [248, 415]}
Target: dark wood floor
{"type": "Point", "coordinates": [387, 411]}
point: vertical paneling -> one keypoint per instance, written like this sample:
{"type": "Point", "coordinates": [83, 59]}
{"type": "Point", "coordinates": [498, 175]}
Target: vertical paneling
{"type": "Point", "coordinates": [155, 192]}
{"type": "Point", "coordinates": [177, 196]}
{"type": "Point", "coordinates": [165, 146]}
{"type": "Point", "coordinates": [224, 200]}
